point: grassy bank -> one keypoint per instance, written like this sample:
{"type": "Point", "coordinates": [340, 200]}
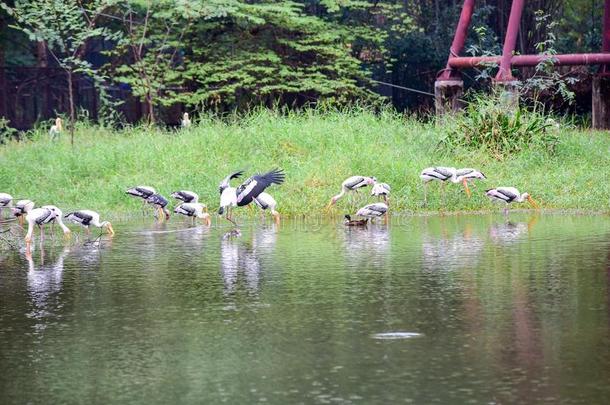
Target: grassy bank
{"type": "Point", "coordinates": [318, 151]}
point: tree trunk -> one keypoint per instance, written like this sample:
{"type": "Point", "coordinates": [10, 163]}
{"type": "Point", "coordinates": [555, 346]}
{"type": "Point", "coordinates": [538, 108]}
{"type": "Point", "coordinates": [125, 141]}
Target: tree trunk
{"type": "Point", "coordinates": [72, 112]}
{"type": "Point", "coordinates": [150, 113]}
{"type": "Point", "coordinates": [42, 63]}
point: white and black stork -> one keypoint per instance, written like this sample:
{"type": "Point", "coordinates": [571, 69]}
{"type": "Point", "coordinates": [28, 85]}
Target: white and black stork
{"type": "Point", "coordinates": [352, 183]}
{"type": "Point", "coordinates": [266, 202]}
{"type": "Point", "coordinates": [185, 196]}
{"type": "Point", "coordinates": [247, 191]}
{"type": "Point", "coordinates": [21, 208]}
{"type": "Point", "coordinates": [88, 218]}
{"type": "Point", "coordinates": [160, 204]}
{"type": "Point", "coordinates": [372, 211]}
{"type": "Point", "coordinates": [194, 210]}
{"type": "Point", "coordinates": [509, 195]}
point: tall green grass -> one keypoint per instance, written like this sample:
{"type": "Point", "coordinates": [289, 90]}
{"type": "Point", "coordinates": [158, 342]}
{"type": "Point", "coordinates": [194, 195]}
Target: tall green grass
{"type": "Point", "coordinates": [318, 150]}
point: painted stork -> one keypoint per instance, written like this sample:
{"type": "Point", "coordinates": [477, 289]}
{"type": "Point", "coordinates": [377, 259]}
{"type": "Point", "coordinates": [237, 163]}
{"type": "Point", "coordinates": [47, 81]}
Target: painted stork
{"type": "Point", "coordinates": [381, 190]}
{"type": "Point", "coordinates": [266, 202]}
{"type": "Point", "coordinates": [22, 207]}
{"type": "Point", "coordinates": [466, 174]}
{"type": "Point", "coordinates": [142, 192]}
{"type": "Point", "coordinates": [228, 194]}
{"type": "Point", "coordinates": [185, 196]}
{"type": "Point", "coordinates": [5, 201]}
{"type": "Point", "coordinates": [352, 183]}
{"type": "Point", "coordinates": [374, 210]}
{"type": "Point", "coordinates": [41, 216]}
{"type": "Point", "coordinates": [186, 121]}
{"type": "Point", "coordinates": [509, 195]}
{"type": "Point", "coordinates": [87, 218]}
{"type": "Point", "coordinates": [159, 202]}
{"type": "Point", "coordinates": [57, 217]}
{"type": "Point", "coordinates": [194, 210]}
{"type": "Point", "coordinates": [56, 129]}
{"type": "Point", "coordinates": [354, 222]}
{"type": "Point", "coordinates": [248, 191]}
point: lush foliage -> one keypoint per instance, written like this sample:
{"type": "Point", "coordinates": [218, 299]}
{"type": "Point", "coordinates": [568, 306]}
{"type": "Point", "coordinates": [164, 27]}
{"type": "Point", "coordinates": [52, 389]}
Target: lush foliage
{"type": "Point", "coordinates": [318, 150]}
{"type": "Point", "coordinates": [488, 123]}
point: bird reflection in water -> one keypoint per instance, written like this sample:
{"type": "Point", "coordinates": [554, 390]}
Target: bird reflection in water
{"type": "Point", "coordinates": [366, 245]}
{"type": "Point", "coordinates": [241, 260]}
{"type": "Point", "coordinates": [44, 282]}
{"type": "Point", "coordinates": [511, 232]}
{"type": "Point", "coordinates": [450, 252]}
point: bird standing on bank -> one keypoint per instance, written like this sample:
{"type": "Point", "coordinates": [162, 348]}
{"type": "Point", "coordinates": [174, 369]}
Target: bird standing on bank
{"type": "Point", "coordinates": [56, 129]}
{"type": "Point", "coordinates": [194, 210]}
{"type": "Point", "coordinates": [88, 218]}
{"type": "Point", "coordinates": [352, 183]}
{"type": "Point", "coordinates": [186, 121]}
{"type": "Point", "coordinates": [509, 195]}
{"type": "Point", "coordinates": [466, 174]}
{"type": "Point", "coordinates": [381, 190]}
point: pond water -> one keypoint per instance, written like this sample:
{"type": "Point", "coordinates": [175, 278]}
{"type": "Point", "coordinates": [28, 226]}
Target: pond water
{"type": "Point", "coordinates": [457, 309]}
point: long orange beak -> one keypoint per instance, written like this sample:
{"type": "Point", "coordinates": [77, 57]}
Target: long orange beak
{"type": "Point", "coordinates": [276, 218]}
{"type": "Point", "coordinates": [207, 220]}
{"type": "Point", "coordinates": [109, 229]}
{"type": "Point", "coordinates": [532, 202]}
{"type": "Point", "coordinates": [466, 187]}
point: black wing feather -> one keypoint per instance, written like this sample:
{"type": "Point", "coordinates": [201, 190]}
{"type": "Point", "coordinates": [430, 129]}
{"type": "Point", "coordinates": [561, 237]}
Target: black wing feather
{"type": "Point", "coordinates": [246, 192]}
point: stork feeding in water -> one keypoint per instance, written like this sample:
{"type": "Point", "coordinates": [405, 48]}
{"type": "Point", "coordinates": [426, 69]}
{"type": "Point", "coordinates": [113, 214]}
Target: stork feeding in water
{"type": "Point", "coordinates": [509, 195]}
{"type": "Point", "coordinates": [42, 216]}
{"type": "Point", "coordinates": [372, 211]}
{"type": "Point", "coordinates": [352, 183]}
{"type": "Point", "coordinates": [266, 202]}
{"type": "Point", "coordinates": [247, 191]}
{"type": "Point", "coordinates": [452, 174]}
{"type": "Point", "coordinates": [87, 218]}
{"type": "Point", "coordinates": [22, 207]}
{"type": "Point", "coordinates": [194, 210]}
{"type": "Point", "coordinates": [142, 192]}
{"type": "Point", "coordinates": [159, 202]}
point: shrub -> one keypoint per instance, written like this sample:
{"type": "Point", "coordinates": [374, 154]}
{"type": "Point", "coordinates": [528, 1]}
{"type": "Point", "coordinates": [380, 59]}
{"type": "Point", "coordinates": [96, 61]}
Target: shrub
{"type": "Point", "coordinates": [488, 123]}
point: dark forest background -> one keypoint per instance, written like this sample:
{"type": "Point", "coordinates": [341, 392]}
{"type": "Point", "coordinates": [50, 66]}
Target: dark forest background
{"type": "Point", "coordinates": [152, 60]}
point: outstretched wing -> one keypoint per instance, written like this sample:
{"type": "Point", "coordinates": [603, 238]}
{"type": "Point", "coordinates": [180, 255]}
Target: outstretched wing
{"type": "Point", "coordinates": [255, 185]}
{"type": "Point", "coordinates": [225, 182]}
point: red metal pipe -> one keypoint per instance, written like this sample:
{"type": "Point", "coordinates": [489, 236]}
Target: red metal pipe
{"type": "Point", "coordinates": [510, 40]}
{"type": "Point", "coordinates": [460, 38]}
{"type": "Point", "coordinates": [532, 60]}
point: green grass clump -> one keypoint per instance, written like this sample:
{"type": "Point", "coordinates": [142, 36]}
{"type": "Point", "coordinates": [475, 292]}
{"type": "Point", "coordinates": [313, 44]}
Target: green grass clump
{"type": "Point", "coordinates": [318, 150]}
{"type": "Point", "coordinates": [488, 123]}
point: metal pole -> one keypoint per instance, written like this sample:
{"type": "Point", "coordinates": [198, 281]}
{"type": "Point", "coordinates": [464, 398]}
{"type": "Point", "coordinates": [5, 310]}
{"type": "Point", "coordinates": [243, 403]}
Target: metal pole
{"type": "Point", "coordinates": [459, 39]}
{"type": "Point", "coordinates": [605, 69]}
{"type": "Point", "coordinates": [510, 40]}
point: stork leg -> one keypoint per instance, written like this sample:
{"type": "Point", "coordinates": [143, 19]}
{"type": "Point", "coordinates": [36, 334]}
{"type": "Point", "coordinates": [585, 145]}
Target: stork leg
{"type": "Point", "coordinates": [425, 193]}
{"type": "Point", "coordinates": [506, 210]}
{"type": "Point", "coordinates": [466, 187]}
{"type": "Point", "coordinates": [41, 232]}
{"type": "Point", "coordinates": [443, 193]}
{"type": "Point", "coordinates": [229, 217]}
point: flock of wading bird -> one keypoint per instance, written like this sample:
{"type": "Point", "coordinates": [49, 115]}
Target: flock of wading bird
{"type": "Point", "coordinates": [251, 190]}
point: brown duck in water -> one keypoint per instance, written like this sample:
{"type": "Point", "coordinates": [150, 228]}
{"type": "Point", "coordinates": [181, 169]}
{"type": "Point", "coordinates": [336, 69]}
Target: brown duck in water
{"type": "Point", "coordinates": [354, 222]}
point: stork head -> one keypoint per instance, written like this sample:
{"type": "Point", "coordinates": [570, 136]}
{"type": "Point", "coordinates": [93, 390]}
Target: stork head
{"type": "Point", "coordinates": [526, 196]}
{"type": "Point", "coordinates": [371, 180]}
{"type": "Point", "coordinates": [108, 227]}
